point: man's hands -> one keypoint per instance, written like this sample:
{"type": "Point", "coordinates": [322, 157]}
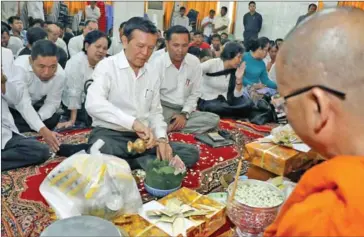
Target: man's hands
{"type": "Point", "coordinates": [179, 123]}
{"type": "Point", "coordinates": [144, 133]}
{"type": "Point", "coordinates": [164, 150]}
{"type": "Point", "coordinates": [66, 124]}
{"type": "Point", "coordinates": [50, 138]}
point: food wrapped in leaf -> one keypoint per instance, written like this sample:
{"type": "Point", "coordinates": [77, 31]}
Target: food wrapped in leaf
{"type": "Point", "coordinates": [165, 175]}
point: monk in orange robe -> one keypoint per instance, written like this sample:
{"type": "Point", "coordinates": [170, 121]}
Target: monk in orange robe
{"type": "Point", "coordinates": [320, 72]}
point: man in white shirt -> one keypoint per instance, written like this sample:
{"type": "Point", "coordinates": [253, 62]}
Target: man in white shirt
{"type": "Point", "coordinates": [16, 150]}
{"type": "Point", "coordinates": [54, 35]}
{"type": "Point", "coordinates": [44, 81]}
{"type": "Point", "coordinates": [8, 9]}
{"type": "Point", "coordinates": [180, 74]}
{"type": "Point", "coordinates": [221, 23]}
{"type": "Point", "coordinates": [181, 20]}
{"type": "Point", "coordinates": [124, 101]}
{"type": "Point", "coordinates": [11, 42]}
{"type": "Point", "coordinates": [206, 25]}
{"type": "Point", "coordinates": [116, 43]}
{"type": "Point", "coordinates": [35, 10]}
{"type": "Point", "coordinates": [76, 43]}
{"type": "Point", "coordinates": [7, 60]}
{"type": "Point", "coordinates": [92, 12]}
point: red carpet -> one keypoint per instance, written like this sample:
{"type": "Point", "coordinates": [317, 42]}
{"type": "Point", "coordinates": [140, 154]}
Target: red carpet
{"type": "Point", "coordinates": [25, 212]}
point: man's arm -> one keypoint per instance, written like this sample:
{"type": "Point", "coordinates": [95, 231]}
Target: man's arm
{"type": "Point", "coordinates": [205, 22]}
{"type": "Point", "coordinates": [98, 13]}
{"type": "Point", "coordinates": [191, 100]}
{"type": "Point", "coordinates": [97, 104]}
{"type": "Point", "coordinates": [24, 106]}
{"type": "Point", "coordinates": [53, 99]}
{"type": "Point", "coordinates": [245, 21]}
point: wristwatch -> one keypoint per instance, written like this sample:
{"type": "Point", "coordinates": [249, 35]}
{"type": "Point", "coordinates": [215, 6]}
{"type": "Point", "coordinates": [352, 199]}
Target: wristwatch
{"type": "Point", "coordinates": [186, 114]}
{"type": "Point", "coordinates": [163, 140]}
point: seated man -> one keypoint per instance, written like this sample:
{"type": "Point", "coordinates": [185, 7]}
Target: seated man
{"type": "Point", "coordinates": [124, 101]}
{"type": "Point", "coordinates": [44, 80]}
{"type": "Point", "coordinates": [216, 45]}
{"type": "Point", "coordinates": [323, 90]}
{"type": "Point", "coordinates": [198, 41]}
{"type": "Point", "coordinates": [181, 74]}
{"type": "Point", "coordinates": [33, 35]}
{"type": "Point", "coordinates": [16, 150]}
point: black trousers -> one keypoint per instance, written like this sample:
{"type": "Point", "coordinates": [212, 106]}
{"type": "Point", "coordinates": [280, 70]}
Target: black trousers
{"type": "Point", "coordinates": [23, 126]}
{"type": "Point", "coordinates": [239, 108]}
{"type": "Point", "coordinates": [116, 144]}
{"type": "Point", "coordinates": [21, 151]}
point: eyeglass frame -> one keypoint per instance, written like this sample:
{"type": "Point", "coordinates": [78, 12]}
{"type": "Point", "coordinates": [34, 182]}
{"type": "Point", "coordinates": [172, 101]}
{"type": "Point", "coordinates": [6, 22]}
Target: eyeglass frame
{"type": "Point", "coordinates": [337, 93]}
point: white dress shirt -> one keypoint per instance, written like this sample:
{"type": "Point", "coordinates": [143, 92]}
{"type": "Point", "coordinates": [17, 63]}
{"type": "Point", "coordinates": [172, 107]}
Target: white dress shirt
{"type": "Point", "coordinates": [35, 90]}
{"type": "Point", "coordinates": [214, 86]}
{"type": "Point", "coordinates": [116, 46]}
{"type": "Point", "coordinates": [75, 44]}
{"type": "Point", "coordinates": [92, 14]}
{"type": "Point", "coordinates": [7, 60]}
{"type": "Point", "coordinates": [117, 96]}
{"type": "Point", "coordinates": [181, 21]}
{"type": "Point", "coordinates": [222, 21]}
{"type": "Point", "coordinates": [207, 31]}
{"type": "Point", "coordinates": [12, 94]}
{"type": "Point", "coordinates": [180, 86]}
{"type": "Point", "coordinates": [8, 9]}
{"type": "Point", "coordinates": [78, 71]}
{"type": "Point", "coordinates": [60, 43]}
{"type": "Point", "coordinates": [35, 10]}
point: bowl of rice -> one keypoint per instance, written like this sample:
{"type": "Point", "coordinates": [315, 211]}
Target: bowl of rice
{"type": "Point", "coordinates": [254, 207]}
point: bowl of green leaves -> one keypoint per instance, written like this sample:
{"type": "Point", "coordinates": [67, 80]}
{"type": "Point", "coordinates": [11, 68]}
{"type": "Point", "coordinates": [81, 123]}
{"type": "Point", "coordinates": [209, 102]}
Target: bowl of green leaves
{"type": "Point", "coordinates": [164, 177]}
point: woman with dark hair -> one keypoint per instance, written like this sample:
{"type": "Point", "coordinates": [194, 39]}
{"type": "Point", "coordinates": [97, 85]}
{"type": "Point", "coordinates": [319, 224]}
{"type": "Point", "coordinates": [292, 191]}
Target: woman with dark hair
{"type": "Point", "coordinates": [78, 73]}
{"type": "Point", "coordinates": [256, 71]}
{"type": "Point", "coordinates": [273, 50]}
{"type": "Point", "coordinates": [222, 89]}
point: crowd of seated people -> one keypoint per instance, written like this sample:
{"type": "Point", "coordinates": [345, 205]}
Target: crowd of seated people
{"type": "Point", "coordinates": [70, 81]}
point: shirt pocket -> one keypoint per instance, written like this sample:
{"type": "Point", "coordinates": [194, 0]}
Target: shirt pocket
{"type": "Point", "coordinates": [148, 99]}
{"type": "Point", "coordinates": [187, 87]}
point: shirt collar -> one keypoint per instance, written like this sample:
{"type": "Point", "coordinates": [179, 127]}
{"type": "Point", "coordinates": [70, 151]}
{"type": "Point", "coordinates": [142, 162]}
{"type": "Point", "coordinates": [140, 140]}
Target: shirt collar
{"type": "Point", "coordinates": [123, 63]}
{"type": "Point", "coordinates": [168, 61]}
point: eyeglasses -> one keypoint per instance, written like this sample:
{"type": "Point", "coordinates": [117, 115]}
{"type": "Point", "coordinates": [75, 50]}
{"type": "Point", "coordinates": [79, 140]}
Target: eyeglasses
{"type": "Point", "coordinates": [280, 103]}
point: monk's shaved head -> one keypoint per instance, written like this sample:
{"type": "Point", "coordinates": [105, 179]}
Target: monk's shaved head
{"type": "Point", "coordinates": [326, 49]}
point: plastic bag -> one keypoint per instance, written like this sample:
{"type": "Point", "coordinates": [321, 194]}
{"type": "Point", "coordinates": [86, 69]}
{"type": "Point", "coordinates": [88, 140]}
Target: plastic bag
{"type": "Point", "coordinates": [92, 184]}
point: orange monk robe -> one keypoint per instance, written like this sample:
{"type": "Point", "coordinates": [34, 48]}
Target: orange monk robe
{"type": "Point", "coordinates": [328, 201]}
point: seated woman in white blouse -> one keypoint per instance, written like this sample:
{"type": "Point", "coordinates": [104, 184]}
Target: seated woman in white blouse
{"type": "Point", "coordinates": [222, 88]}
{"type": "Point", "coordinates": [78, 73]}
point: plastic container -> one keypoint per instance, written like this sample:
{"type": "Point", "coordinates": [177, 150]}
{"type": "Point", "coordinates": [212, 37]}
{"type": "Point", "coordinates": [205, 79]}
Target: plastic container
{"type": "Point", "coordinates": [159, 192]}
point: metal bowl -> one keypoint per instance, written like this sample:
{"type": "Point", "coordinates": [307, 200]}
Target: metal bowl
{"type": "Point", "coordinates": [251, 220]}
{"type": "Point", "coordinates": [82, 226]}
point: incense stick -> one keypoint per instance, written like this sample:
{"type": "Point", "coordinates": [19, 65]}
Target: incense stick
{"type": "Point", "coordinates": [236, 180]}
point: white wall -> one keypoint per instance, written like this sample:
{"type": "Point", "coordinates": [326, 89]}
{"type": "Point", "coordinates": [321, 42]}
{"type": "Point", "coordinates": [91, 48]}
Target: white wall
{"type": "Point", "coordinates": [125, 10]}
{"type": "Point", "coordinates": [278, 17]}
